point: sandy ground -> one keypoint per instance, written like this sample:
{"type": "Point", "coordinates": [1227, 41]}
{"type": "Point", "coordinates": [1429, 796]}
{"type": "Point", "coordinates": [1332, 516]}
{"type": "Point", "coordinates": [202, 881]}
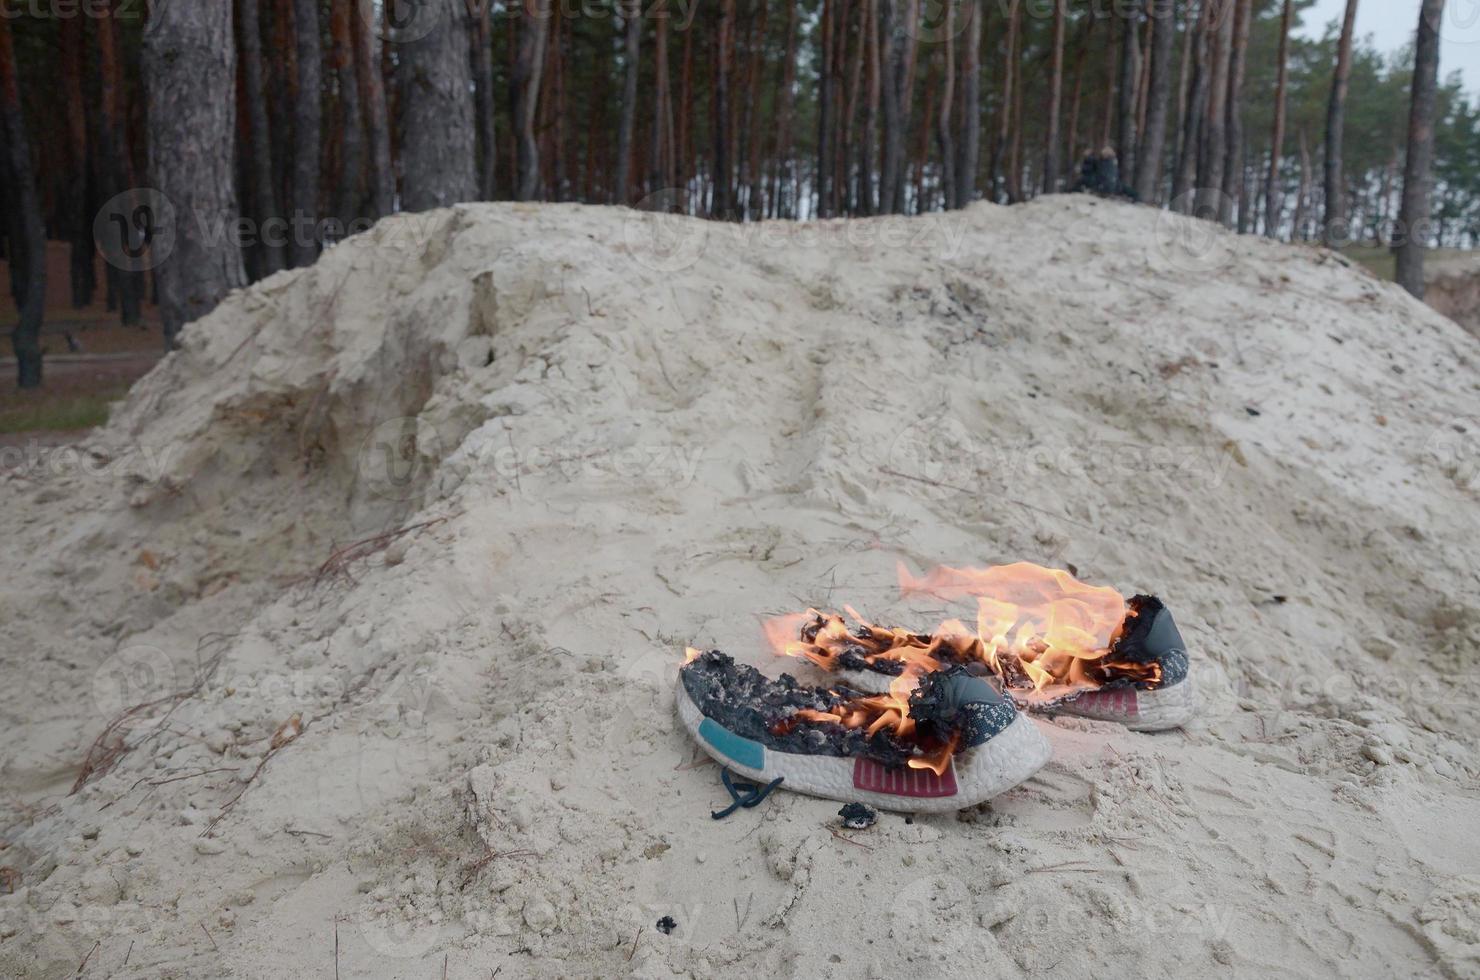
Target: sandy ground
{"type": "Point", "coordinates": [606, 436]}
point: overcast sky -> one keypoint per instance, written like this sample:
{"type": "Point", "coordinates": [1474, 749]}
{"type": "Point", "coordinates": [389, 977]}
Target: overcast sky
{"type": "Point", "coordinates": [1392, 24]}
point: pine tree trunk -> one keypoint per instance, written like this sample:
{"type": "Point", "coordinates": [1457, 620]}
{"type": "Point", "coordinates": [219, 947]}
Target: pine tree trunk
{"type": "Point", "coordinates": [12, 234]}
{"type": "Point", "coordinates": [824, 110]}
{"type": "Point", "coordinates": [1184, 81]}
{"type": "Point", "coordinates": [252, 251]}
{"type": "Point", "coordinates": [785, 177]}
{"type": "Point", "coordinates": [685, 162]}
{"type": "Point", "coordinates": [381, 187]}
{"type": "Point", "coordinates": [259, 148]}
{"type": "Point", "coordinates": [1335, 224]}
{"type": "Point", "coordinates": [1215, 126]}
{"type": "Point", "coordinates": [994, 124]}
{"type": "Point", "coordinates": [741, 108]}
{"type": "Point", "coordinates": [1015, 190]}
{"type": "Point", "coordinates": [1158, 99]}
{"type": "Point", "coordinates": [190, 69]}
{"type": "Point", "coordinates": [1248, 194]}
{"type": "Point", "coordinates": [1143, 86]}
{"type": "Point", "coordinates": [556, 59]}
{"type": "Point", "coordinates": [836, 56]}
{"type": "Point", "coordinates": [627, 121]}
{"type": "Point", "coordinates": [534, 23]}
{"type": "Point", "coordinates": [25, 337]}
{"type": "Point", "coordinates": [660, 131]}
{"type": "Point", "coordinates": [1302, 193]}
{"type": "Point", "coordinates": [1051, 164]}
{"type": "Point", "coordinates": [1129, 76]}
{"type": "Point", "coordinates": [891, 67]}
{"type": "Point", "coordinates": [350, 190]}
{"type": "Point", "coordinates": [595, 121]}
{"type": "Point", "coordinates": [281, 84]}
{"type": "Point", "coordinates": [485, 105]}
{"type": "Point", "coordinates": [739, 82]}
{"type": "Point", "coordinates": [839, 110]}
{"type": "Point", "coordinates": [970, 141]}
{"type": "Point", "coordinates": [908, 27]}
{"type": "Point", "coordinates": [755, 197]}
{"type": "Point", "coordinates": [848, 140]}
{"type": "Point", "coordinates": [906, 30]}
{"type": "Point", "coordinates": [549, 122]}
{"type": "Point", "coordinates": [438, 156]}
{"type": "Point", "coordinates": [1184, 191]}
{"type": "Point", "coordinates": [1106, 136]}
{"type": "Point", "coordinates": [868, 199]}
{"type": "Point", "coordinates": [1076, 101]}
{"type": "Point", "coordinates": [370, 80]}
{"type": "Point", "coordinates": [1012, 181]}
{"type": "Point", "coordinates": [670, 176]}
{"type": "Point", "coordinates": [1233, 163]}
{"type": "Point", "coordinates": [721, 205]}
{"type": "Point", "coordinates": [308, 125]}
{"type": "Point", "coordinates": [1261, 201]}
{"type": "Point", "coordinates": [922, 152]}
{"type": "Point", "coordinates": [116, 160]}
{"type": "Point", "coordinates": [1415, 216]}
{"type": "Point", "coordinates": [1272, 194]}
{"type": "Point", "coordinates": [943, 123]}
{"type": "Point", "coordinates": [331, 141]}
{"type": "Point", "coordinates": [73, 42]}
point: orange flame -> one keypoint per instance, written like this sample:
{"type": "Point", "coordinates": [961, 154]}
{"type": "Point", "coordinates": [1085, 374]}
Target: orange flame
{"type": "Point", "coordinates": [1040, 630]}
{"type": "Point", "coordinates": [822, 638]}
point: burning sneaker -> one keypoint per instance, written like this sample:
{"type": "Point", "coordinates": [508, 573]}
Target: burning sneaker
{"type": "Point", "coordinates": [1047, 640]}
{"type": "Point", "coordinates": [935, 742]}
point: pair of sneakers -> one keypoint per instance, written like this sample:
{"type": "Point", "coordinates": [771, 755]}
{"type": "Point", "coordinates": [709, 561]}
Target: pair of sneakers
{"type": "Point", "coordinates": [984, 741]}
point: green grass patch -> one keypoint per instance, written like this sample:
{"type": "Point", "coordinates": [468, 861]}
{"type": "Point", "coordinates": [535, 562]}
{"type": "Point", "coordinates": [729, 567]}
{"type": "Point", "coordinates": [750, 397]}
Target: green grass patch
{"type": "Point", "coordinates": [1384, 265]}
{"type": "Point", "coordinates": [1375, 259]}
{"type": "Point", "coordinates": [59, 414]}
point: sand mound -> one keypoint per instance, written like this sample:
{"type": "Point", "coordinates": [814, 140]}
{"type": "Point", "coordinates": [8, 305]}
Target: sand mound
{"type": "Point", "coordinates": [403, 549]}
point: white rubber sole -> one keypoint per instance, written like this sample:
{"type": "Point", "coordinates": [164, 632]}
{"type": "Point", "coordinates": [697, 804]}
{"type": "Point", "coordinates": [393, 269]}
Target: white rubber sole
{"type": "Point", "coordinates": [1141, 711]}
{"type": "Point", "coordinates": [975, 775]}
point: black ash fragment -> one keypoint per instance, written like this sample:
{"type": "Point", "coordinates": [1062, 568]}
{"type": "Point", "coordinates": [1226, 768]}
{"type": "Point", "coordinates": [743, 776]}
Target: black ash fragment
{"type": "Point", "coordinates": [1014, 676]}
{"type": "Point", "coordinates": [666, 925]}
{"type": "Point", "coordinates": [855, 658]}
{"type": "Point", "coordinates": [754, 706]}
{"type": "Point", "coordinates": [857, 816]}
{"type": "Point", "coordinates": [885, 638]}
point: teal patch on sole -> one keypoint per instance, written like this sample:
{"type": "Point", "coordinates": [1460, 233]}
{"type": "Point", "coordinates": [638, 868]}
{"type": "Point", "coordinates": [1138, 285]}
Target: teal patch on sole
{"type": "Point", "coordinates": [739, 750]}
